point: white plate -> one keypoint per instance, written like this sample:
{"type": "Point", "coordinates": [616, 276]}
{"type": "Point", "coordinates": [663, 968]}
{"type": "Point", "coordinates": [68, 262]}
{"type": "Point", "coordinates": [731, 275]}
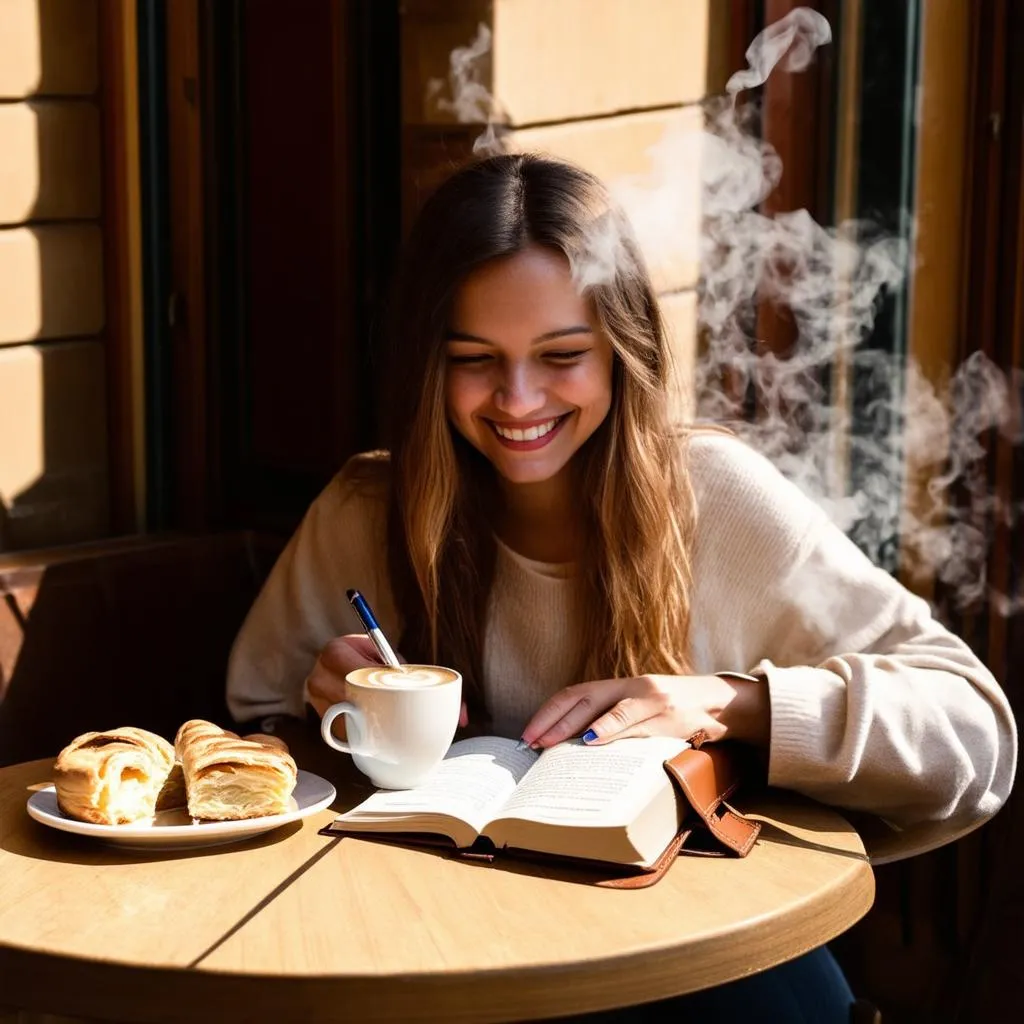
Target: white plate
{"type": "Point", "coordinates": [173, 830]}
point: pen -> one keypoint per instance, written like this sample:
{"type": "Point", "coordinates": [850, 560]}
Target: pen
{"type": "Point", "coordinates": [373, 631]}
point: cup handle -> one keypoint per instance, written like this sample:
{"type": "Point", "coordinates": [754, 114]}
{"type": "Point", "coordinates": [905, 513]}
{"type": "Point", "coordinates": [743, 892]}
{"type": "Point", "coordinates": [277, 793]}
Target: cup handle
{"type": "Point", "coordinates": [344, 708]}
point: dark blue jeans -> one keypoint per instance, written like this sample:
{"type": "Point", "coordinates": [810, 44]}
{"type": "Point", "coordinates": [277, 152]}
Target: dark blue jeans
{"type": "Point", "coordinates": [809, 990]}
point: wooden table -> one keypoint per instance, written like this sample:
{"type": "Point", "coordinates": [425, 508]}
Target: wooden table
{"type": "Point", "coordinates": [296, 926]}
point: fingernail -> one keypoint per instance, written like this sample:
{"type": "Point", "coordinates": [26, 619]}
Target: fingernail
{"type": "Point", "coordinates": [589, 736]}
{"type": "Point", "coordinates": [522, 744]}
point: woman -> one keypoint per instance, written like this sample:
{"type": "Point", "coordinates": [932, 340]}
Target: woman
{"type": "Point", "coordinates": [542, 527]}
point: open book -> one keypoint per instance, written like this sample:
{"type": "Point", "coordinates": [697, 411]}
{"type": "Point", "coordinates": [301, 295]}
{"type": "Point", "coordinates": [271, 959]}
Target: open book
{"type": "Point", "coordinates": [614, 803]}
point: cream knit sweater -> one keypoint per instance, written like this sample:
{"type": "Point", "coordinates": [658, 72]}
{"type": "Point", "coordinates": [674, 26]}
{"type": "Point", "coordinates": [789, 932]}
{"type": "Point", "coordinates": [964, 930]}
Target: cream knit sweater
{"type": "Point", "coordinates": [874, 705]}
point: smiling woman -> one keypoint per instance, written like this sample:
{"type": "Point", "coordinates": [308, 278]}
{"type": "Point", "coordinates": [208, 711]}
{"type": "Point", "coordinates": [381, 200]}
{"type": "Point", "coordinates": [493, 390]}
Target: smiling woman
{"type": "Point", "coordinates": [592, 569]}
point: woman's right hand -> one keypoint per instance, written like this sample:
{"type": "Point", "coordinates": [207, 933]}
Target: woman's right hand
{"type": "Point", "coordinates": [325, 685]}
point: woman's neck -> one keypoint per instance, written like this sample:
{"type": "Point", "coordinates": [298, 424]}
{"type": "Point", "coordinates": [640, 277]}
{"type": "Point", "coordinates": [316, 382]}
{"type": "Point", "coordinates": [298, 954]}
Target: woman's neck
{"type": "Point", "coordinates": [540, 521]}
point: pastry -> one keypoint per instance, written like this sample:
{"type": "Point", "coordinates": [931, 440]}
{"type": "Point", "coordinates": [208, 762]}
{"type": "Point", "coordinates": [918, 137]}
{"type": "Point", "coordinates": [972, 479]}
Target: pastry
{"type": "Point", "coordinates": [114, 777]}
{"type": "Point", "coordinates": [173, 792]}
{"type": "Point", "coordinates": [229, 777]}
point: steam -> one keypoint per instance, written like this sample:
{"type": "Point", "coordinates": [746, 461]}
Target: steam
{"type": "Point", "coordinates": [471, 102]}
{"type": "Point", "coordinates": [788, 43]}
{"type": "Point", "coordinates": [897, 461]}
{"type": "Point", "coordinates": [948, 427]}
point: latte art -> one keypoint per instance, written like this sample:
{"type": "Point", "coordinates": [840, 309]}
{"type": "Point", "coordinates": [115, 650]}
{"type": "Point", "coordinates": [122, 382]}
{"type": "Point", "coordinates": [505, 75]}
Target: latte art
{"type": "Point", "coordinates": [414, 677]}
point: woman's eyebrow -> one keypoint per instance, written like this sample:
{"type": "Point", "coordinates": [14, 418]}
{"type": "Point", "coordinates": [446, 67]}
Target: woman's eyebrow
{"type": "Point", "coordinates": [462, 336]}
{"type": "Point", "coordinates": [564, 332]}
{"type": "Point", "coordinates": [561, 332]}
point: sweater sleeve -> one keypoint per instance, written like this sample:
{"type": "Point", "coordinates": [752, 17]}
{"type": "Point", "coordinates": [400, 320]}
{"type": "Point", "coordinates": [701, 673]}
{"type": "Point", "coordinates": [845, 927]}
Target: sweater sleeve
{"type": "Point", "coordinates": [875, 706]}
{"type": "Point", "coordinates": [339, 544]}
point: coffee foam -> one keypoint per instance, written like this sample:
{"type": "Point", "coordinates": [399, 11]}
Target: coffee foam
{"type": "Point", "coordinates": [414, 677]}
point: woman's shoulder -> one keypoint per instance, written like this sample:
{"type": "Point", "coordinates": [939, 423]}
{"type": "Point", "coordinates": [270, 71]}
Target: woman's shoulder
{"type": "Point", "coordinates": [716, 455]}
{"type": "Point", "coordinates": [731, 477]}
{"type": "Point", "coordinates": [355, 496]}
{"type": "Point", "coordinates": [364, 478]}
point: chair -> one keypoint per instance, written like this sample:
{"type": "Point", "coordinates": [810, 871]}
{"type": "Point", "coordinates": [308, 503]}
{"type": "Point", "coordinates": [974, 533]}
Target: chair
{"type": "Point", "coordinates": [134, 631]}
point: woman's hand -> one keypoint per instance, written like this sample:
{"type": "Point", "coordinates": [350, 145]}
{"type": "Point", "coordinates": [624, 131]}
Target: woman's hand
{"type": "Point", "coordinates": [326, 683]}
{"type": "Point", "coordinates": [680, 706]}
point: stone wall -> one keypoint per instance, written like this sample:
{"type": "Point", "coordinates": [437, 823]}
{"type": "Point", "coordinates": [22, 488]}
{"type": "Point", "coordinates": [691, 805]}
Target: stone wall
{"type": "Point", "coordinates": [53, 423]}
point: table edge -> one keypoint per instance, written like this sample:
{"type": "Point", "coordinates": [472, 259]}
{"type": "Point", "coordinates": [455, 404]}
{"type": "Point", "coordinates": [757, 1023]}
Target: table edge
{"type": "Point", "coordinates": [489, 996]}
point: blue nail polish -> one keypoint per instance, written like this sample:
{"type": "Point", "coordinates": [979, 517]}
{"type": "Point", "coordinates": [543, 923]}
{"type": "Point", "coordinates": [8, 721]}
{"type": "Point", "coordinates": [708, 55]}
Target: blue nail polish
{"type": "Point", "coordinates": [589, 736]}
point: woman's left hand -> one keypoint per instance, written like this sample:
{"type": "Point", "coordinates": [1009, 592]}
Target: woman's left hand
{"type": "Point", "coordinates": [654, 706]}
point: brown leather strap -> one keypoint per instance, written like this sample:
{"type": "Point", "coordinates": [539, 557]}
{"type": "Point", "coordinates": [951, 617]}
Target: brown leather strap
{"type": "Point", "coordinates": [655, 873]}
{"type": "Point", "coordinates": [707, 778]}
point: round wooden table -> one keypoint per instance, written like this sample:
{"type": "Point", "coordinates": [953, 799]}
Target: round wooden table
{"type": "Point", "coordinates": [296, 926]}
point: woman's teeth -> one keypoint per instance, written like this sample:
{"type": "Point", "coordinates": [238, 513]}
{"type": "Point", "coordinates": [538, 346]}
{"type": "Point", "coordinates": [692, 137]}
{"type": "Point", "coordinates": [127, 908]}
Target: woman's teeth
{"type": "Point", "coordinates": [529, 434]}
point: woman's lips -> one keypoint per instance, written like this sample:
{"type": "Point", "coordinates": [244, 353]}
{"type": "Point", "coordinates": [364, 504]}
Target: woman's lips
{"type": "Point", "coordinates": [531, 444]}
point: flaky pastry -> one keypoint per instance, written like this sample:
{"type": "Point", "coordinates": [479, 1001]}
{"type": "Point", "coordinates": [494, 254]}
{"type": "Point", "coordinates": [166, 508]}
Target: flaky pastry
{"type": "Point", "coordinates": [173, 792]}
{"type": "Point", "coordinates": [229, 777]}
{"type": "Point", "coordinates": [114, 777]}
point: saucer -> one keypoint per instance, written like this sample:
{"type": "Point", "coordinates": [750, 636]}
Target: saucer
{"type": "Point", "coordinates": [174, 829]}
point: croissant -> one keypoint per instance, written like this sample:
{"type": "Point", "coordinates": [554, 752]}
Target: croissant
{"type": "Point", "coordinates": [114, 777]}
{"type": "Point", "coordinates": [229, 777]}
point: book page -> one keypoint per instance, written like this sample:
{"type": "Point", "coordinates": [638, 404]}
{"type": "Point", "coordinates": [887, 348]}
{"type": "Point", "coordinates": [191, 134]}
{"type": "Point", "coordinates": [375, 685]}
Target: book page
{"type": "Point", "coordinates": [475, 778]}
{"type": "Point", "coordinates": [573, 784]}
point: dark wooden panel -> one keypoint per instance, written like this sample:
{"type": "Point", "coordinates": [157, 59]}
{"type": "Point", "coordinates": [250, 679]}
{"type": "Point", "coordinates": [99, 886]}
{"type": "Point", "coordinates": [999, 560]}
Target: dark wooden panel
{"type": "Point", "coordinates": [299, 401]}
{"type": "Point", "coordinates": [273, 260]}
{"type": "Point", "coordinates": [118, 102]}
{"type": "Point", "coordinates": [994, 324]}
{"type": "Point", "coordinates": [189, 356]}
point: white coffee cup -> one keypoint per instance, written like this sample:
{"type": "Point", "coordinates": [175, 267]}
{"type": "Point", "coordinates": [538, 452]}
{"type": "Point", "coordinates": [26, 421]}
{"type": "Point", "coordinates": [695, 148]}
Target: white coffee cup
{"type": "Point", "coordinates": [400, 722]}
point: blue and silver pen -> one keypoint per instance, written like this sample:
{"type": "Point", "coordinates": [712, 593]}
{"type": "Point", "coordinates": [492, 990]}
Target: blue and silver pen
{"type": "Point", "coordinates": [373, 631]}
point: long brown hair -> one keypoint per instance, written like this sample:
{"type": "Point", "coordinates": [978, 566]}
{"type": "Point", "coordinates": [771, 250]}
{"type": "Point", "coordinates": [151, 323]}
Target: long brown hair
{"type": "Point", "coordinates": [637, 506]}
